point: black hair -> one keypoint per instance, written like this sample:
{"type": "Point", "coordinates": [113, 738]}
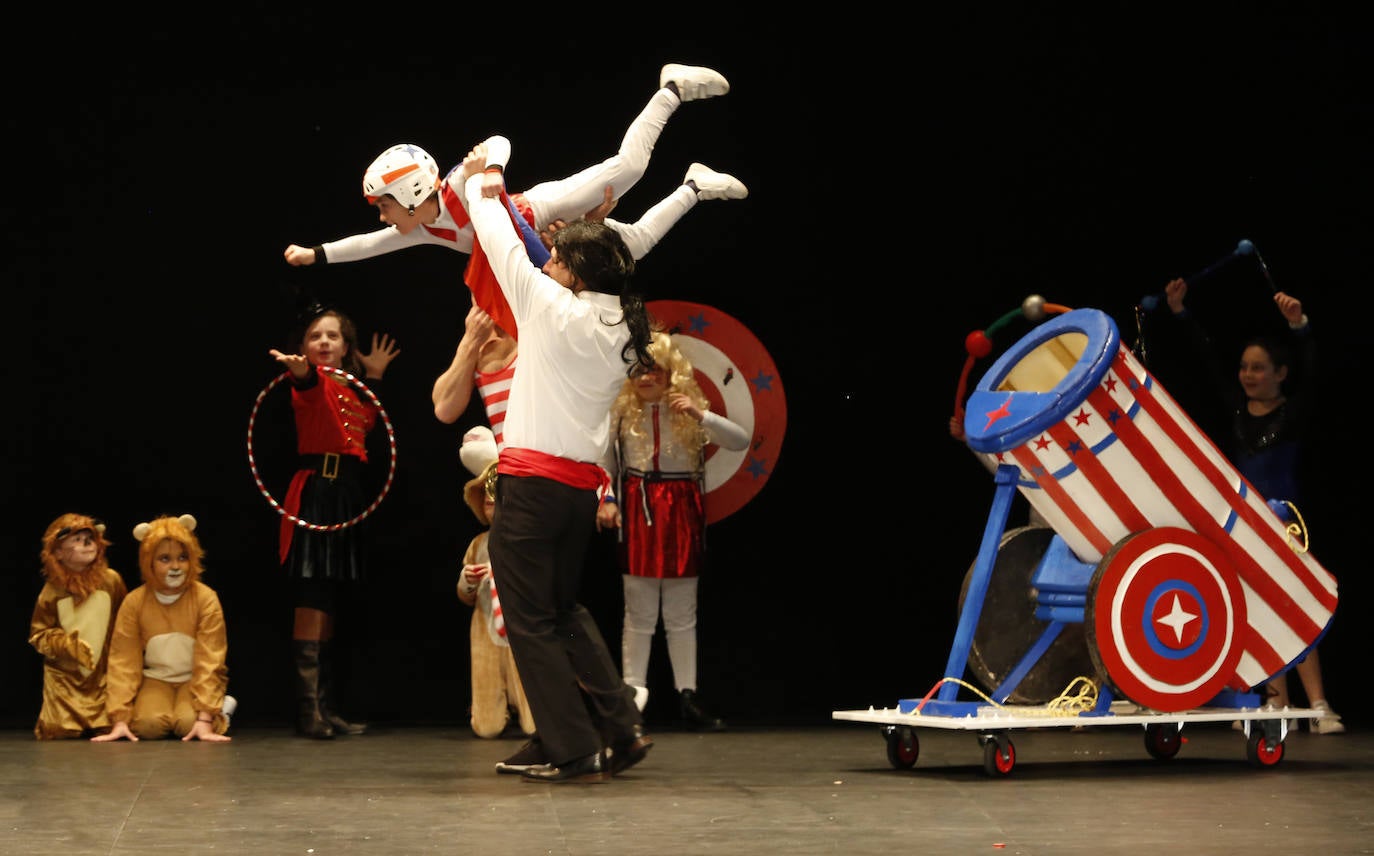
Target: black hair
{"type": "Point", "coordinates": [598, 256]}
{"type": "Point", "coordinates": [1281, 355]}
{"type": "Point", "coordinates": [1279, 352]}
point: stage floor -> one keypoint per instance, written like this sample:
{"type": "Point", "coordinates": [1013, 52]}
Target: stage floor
{"type": "Point", "coordinates": [797, 790]}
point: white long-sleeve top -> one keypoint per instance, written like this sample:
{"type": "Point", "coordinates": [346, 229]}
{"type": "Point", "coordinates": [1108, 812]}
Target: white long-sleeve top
{"type": "Point", "coordinates": [571, 366]}
{"type": "Point", "coordinates": [444, 232]}
{"type": "Point", "coordinates": [643, 450]}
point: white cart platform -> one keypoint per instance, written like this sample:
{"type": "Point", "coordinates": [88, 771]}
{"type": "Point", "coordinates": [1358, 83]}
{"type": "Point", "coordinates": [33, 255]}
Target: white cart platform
{"type": "Point", "coordinates": [1264, 729]}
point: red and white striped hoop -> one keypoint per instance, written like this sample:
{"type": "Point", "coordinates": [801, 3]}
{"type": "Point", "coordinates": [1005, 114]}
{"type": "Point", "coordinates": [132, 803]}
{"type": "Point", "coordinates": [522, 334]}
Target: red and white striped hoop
{"type": "Point", "coordinates": [391, 443]}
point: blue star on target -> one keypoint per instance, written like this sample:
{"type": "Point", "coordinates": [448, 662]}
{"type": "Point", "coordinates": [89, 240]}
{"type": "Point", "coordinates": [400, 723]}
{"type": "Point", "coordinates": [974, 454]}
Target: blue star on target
{"type": "Point", "coordinates": [763, 382]}
{"type": "Point", "coordinates": [698, 324]}
{"type": "Point", "coordinates": [756, 468]}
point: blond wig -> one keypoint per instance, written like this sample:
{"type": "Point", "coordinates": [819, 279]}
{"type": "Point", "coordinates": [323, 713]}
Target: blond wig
{"type": "Point", "coordinates": [686, 433]}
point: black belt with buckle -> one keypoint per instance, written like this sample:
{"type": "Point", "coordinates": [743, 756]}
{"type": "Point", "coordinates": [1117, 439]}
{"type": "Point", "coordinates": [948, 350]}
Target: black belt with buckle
{"type": "Point", "coordinates": [656, 476]}
{"type": "Point", "coordinates": [329, 465]}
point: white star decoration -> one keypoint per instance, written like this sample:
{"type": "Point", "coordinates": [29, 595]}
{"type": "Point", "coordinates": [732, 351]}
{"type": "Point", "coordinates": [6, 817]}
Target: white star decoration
{"type": "Point", "coordinates": [1177, 618]}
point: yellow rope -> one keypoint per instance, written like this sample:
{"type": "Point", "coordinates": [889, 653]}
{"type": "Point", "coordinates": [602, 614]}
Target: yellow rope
{"type": "Point", "coordinates": [1079, 697]}
{"type": "Point", "coordinates": [1297, 531]}
{"type": "Point", "coordinates": [1074, 703]}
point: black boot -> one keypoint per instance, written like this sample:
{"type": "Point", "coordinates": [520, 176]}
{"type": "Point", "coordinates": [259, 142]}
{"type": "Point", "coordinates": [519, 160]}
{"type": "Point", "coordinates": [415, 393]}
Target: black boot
{"type": "Point", "coordinates": [310, 718]}
{"type": "Point", "coordinates": [696, 717]}
{"type": "Point", "coordinates": [329, 698]}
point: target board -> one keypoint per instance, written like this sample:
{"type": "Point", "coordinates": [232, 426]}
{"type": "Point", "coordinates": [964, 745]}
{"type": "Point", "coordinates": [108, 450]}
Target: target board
{"type": "Point", "coordinates": [738, 377]}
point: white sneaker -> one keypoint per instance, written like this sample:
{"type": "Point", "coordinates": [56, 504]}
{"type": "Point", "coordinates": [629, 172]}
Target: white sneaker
{"type": "Point", "coordinates": [1330, 723]}
{"type": "Point", "coordinates": [641, 697]}
{"type": "Point", "coordinates": [714, 185]}
{"type": "Point", "coordinates": [693, 81]}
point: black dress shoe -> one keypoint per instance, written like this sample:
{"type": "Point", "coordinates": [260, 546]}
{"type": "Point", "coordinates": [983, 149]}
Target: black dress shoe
{"type": "Point", "coordinates": [624, 754]}
{"type": "Point", "coordinates": [529, 755]}
{"type": "Point", "coordinates": [589, 768]}
{"type": "Point", "coordinates": [696, 717]}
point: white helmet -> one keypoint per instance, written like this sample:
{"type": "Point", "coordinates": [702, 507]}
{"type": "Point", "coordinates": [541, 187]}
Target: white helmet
{"type": "Point", "coordinates": [404, 171]}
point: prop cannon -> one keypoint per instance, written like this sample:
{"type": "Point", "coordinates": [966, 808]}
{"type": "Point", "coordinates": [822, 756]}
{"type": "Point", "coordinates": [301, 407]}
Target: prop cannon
{"type": "Point", "coordinates": [1188, 590]}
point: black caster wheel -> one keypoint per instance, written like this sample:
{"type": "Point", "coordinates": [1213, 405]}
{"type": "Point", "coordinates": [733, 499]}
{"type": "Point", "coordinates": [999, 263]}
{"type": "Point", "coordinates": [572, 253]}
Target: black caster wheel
{"type": "Point", "coordinates": [1162, 741]}
{"type": "Point", "coordinates": [903, 747]}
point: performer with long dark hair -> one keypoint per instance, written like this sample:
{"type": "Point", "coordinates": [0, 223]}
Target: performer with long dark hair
{"type": "Point", "coordinates": [582, 329]}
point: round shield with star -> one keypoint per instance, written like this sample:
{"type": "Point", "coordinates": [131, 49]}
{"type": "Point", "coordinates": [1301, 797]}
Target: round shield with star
{"type": "Point", "coordinates": [1165, 618]}
{"type": "Point", "coordinates": [739, 379]}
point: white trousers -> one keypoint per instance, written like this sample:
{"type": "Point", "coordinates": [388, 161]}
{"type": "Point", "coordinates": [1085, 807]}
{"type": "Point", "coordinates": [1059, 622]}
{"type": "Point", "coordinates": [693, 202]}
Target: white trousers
{"type": "Point", "coordinates": [571, 197]}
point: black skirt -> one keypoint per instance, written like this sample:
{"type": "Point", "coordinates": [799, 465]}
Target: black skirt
{"type": "Point", "coordinates": [336, 554]}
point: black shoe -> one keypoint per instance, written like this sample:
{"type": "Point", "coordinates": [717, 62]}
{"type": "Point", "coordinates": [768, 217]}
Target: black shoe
{"type": "Point", "coordinates": [624, 754]}
{"type": "Point", "coordinates": [343, 726]}
{"type": "Point", "coordinates": [311, 723]}
{"type": "Point", "coordinates": [589, 768]}
{"type": "Point", "coordinates": [529, 755]}
{"type": "Point", "coordinates": [696, 717]}
{"type": "Point", "coordinates": [318, 730]}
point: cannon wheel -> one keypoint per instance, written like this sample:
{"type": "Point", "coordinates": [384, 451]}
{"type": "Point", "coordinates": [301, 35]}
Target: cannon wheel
{"type": "Point", "coordinates": [1007, 626]}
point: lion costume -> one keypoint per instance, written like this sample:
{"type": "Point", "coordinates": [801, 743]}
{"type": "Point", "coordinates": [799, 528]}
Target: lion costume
{"type": "Point", "coordinates": [168, 653]}
{"type": "Point", "coordinates": [71, 627]}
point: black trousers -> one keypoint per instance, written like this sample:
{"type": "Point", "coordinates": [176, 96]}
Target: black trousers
{"type": "Point", "coordinates": [539, 537]}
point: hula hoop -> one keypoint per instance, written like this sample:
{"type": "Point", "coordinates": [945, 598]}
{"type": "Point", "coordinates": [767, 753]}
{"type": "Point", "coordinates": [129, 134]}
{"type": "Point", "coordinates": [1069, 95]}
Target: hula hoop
{"type": "Point", "coordinates": [272, 501]}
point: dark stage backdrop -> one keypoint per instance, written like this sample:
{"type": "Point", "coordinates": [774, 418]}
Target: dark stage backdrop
{"type": "Point", "coordinates": [909, 184]}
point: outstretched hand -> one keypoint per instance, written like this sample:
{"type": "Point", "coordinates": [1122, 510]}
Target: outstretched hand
{"type": "Point", "coordinates": [383, 351]}
{"type": "Point", "coordinates": [298, 365]}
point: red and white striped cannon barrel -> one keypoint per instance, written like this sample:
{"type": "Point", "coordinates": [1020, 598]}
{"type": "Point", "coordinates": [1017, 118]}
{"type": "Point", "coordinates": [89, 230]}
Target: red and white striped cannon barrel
{"type": "Point", "coordinates": [1198, 587]}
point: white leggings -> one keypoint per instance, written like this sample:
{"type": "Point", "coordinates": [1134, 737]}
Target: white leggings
{"type": "Point", "coordinates": [643, 235]}
{"type": "Point", "coordinates": [642, 598]}
{"type": "Point", "coordinates": [571, 197]}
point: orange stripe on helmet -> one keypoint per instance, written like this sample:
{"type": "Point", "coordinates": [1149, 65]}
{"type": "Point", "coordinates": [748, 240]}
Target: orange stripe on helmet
{"type": "Point", "coordinates": [389, 177]}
